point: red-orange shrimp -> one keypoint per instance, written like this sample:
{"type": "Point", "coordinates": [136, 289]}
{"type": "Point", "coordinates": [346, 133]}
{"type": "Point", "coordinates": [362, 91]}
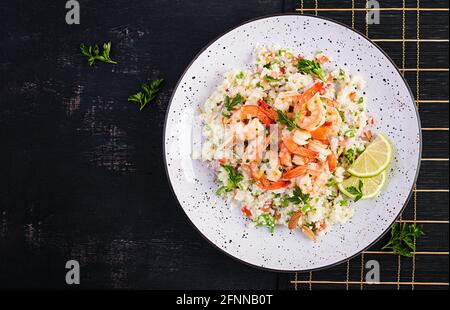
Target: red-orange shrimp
{"type": "Point", "coordinates": [250, 111]}
{"type": "Point", "coordinates": [312, 114]}
{"type": "Point", "coordinates": [264, 183]}
{"type": "Point", "coordinates": [334, 120]}
{"type": "Point", "coordinates": [294, 148]}
{"type": "Point", "coordinates": [308, 94]}
{"type": "Point", "coordinates": [332, 162]}
{"type": "Point", "coordinates": [320, 181]}
{"type": "Point", "coordinates": [246, 212]}
{"type": "Point", "coordinates": [296, 172]}
{"type": "Point", "coordinates": [285, 156]}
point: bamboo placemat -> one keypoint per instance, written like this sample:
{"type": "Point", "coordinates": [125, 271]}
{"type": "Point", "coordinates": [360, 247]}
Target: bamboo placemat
{"type": "Point", "coordinates": [415, 34]}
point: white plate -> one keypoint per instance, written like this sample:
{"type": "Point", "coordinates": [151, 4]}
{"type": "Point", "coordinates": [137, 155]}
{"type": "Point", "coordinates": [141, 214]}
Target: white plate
{"type": "Point", "coordinates": [388, 98]}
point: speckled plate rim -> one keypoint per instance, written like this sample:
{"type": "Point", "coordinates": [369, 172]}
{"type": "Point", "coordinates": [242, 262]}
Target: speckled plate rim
{"type": "Point", "coordinates": [419, 134]}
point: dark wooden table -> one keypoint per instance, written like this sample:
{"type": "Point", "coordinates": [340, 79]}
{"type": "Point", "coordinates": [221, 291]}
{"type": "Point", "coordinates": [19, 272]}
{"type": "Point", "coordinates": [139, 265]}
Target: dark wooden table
{"type": "Point", "coordinates": [82, 173]}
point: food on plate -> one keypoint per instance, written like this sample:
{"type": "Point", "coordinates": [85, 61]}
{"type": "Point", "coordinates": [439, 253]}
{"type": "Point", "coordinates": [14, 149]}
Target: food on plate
{"type": "Point", "coordinates": [291, 143]}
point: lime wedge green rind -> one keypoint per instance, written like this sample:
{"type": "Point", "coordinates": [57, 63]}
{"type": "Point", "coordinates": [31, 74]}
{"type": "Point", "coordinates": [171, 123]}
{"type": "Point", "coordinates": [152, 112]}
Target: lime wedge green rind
{"type": "Point", "coordinates": [374, 160]}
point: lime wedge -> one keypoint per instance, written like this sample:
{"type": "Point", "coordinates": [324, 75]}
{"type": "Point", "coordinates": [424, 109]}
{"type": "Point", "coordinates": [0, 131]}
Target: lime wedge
{"type": "Point", "coordinates": [370, 186]}
{"type": "Point", "coordinates": [374, 159]}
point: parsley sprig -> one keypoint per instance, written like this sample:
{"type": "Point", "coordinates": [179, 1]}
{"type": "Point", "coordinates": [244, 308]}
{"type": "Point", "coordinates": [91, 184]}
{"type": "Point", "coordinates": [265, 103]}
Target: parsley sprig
{"type": "Point", "coordinates": [147, 94]}
{"type": "Point", "coordinates": [93, 53]}
{"type": "Point", "coordinates": [284, 119]}
{"type": "Point", "coordinates": [311, 67]}
{"type": "Point", "coordinates": [402, 238]}
{"type": "Point", "coordinates": [356, 191]}
{"type": "Point", "coordinates": [234, 178]}
{"type": "Point", "coordinates": [230, 104]}
{"type": "Point", "coordinates": [297, 198]}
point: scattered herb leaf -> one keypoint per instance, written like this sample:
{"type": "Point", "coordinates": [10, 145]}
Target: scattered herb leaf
{"type": "Point", "coordinates": [93, 53]}
{"type": "Point", "coordinates": [402, 238]}
{"type": "Point", "coordinates": [147, 94]}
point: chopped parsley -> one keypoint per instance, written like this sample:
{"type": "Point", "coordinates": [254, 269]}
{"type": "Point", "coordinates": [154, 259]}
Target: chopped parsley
{"type": "Point", "coordinates": [350, 155]}
{"type": "Point", "coordinates": [234, 178]}
{"type": "Point", "coordinates": [270, 79]}
{"type": "Point", "coordinates": [284, 119]}
{"type": "Point", "coordinates": [343, 203]}
{"type": "Point", "coordinates": [297, 198]}
{"type": "Point", "coordinates": [240, 75]}
{"type": "Point", "coordinates": [351, 133]}
{"type": "Point", "coordinates": [230, 104]}
{"type": "Point", "coordinates": [311, 67]}
{"type": "Point", "coordinates": [341, 75]}
{"type": "Point", "coordinates": [266, 220]}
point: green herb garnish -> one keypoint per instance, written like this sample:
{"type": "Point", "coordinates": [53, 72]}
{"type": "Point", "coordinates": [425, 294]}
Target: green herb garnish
{"type": "Point", "coordinates": [234, 178]}
{"type": "Point", "coordinates": [297, 198]}
{"type": "Point", "coordinates": [351, 133]}
{"type": "Point", "coordinates": [331, 182]}
{"type": "Point", "coordinates": [147, 94]}
{"type": "Point", "coordinates": [342, 115]}
{"type": "Point", "coordinates": [281, 51]}
{"type": "Point", "coordinates": [350, 155]}
{"type": "Point", "coordinates": [356, 191]}
{"type": "Point", "coordinates": [402, 240]}
{"type": "Point", "coordinates": [266, 220]}
{"type": "Point", "coordinates": [230, 104]}
{"type": "Point", "coordinates": [284, 119]}
{"type": "Point", "coordinates": [240, 75]}
{"type": "Point", "coordinates": [268, 78]}
{"type": "Point", "coordinates": [297, 117]}
{"type": "Point", "coordinates": [360, 100]}
{"type": "Point", "coordinates": [311, 67]}
{"type": "Point", "coordinates": [343, 203]}
{"type": "Point", "coordinates": [93, 53]}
